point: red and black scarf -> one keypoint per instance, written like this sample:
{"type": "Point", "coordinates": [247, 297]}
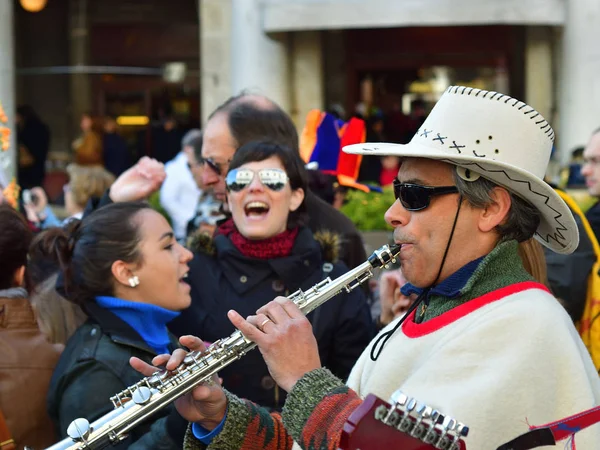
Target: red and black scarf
{"type": "Point", "coordinates": [274, 247]}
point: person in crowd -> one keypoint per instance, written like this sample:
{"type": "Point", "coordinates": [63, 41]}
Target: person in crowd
{"type": "Point", "coordinates": [117, 158]}
{"type": "Point", "coordinates": [87, 148]}
{"type": "Point", "coordinates": [480, 328]}
{"type": "Point", "coordinates": [33, 142]}
{"type": "Point", "coordinates": [28, 359]}
{"type": "Point", "coordinates": [245, 118]}
{"type": "Point", "coordinates": [37, 210]}
{"type": "Point", "coordinates": [591, 172]}
{"type": "Point", "coordinates": [125, 269]}
{"type": "Point", "coordinates": [180, 192]}
{"type": "Point", "coordinates": [165, 138]}
{"type": "Point", "coordinates": [264, 250]}
{"type": "Point", "coordinates": [85, 182]}
{"type": "Point", "coordinates": [239, 120]}
{"type": "Point", "coordinates": [390, 303]}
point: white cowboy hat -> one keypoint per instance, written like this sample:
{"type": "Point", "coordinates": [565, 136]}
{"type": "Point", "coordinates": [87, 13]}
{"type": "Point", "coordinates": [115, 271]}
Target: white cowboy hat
{"type": "Point", "coordinates": [501, 139]}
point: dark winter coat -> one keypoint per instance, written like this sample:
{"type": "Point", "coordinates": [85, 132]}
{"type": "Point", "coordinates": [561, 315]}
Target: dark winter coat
{"type": "Point", "coordinates": [221, 279]}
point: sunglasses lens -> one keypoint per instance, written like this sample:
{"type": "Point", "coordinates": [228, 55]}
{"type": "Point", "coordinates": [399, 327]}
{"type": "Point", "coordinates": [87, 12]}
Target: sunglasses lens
{"type": "Point", "coordinates": [412, 197]}
{"type": "Point", "coordinates": [274, 179]}
{"type": "Point", "coordinates": [238, 179]}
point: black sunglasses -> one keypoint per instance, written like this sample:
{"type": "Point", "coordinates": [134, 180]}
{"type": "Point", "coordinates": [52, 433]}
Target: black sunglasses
{"type": "Point", "coordinates": [218, 168]}
{"type": "Point", "coordinates": [415, 197]}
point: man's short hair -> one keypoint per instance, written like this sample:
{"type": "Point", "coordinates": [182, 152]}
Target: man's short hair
{"type": "Point", "coordinates": [522, 219]}
{"type": "Point", "coordinates": [258, 119]}
{"type": "Point", "coordinates": [190, 137]}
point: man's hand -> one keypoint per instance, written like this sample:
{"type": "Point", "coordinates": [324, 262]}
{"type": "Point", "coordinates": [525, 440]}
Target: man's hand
{"type": "Point", "coordinates": [138, 182]}
{"type": "Point", "coordinates": [206, 403]}
{"type": "Point", "coordinates": [392, 300]}
{"type": "Point", "coordinates": [285, 339]}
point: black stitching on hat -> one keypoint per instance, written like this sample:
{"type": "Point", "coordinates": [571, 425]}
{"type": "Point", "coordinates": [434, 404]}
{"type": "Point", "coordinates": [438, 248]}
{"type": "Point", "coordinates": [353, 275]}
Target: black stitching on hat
{"type": "Point", "coordinates": [507, 99]}
{"type": "Point", "coordinates": [536, 114]}
{"type": "Point", "coordinates": [479, 156]}
{"type": "Point", "coordinates": [440, 138]}
{"type": "Point", "coordinates": [485, 93]}
{"type": "Point", "coordinates": [501, 97]}
{"type": "Point", "coordinates": [522, 106]}
{"type": "Point", "coordinates": [545, 126]}
{"type": "Point", "coordinates": [478, 92]}
{"type": "Point", "coordinates": [470, 90]}
{"type": "Point", "coordinates": [493, 95]}
{"type": "Point", "coordinates": [558, 235]}
{"type": "Point", "coordinates": [540, 121]}
{"type": "Point", "coordinates": [425, 132]}
{"type": "Point", "coordinates": [529, 112]}
{"type": "Point", "coordinates": [457, 147]}
{"type": "Point", "coordinates": [464, 89]}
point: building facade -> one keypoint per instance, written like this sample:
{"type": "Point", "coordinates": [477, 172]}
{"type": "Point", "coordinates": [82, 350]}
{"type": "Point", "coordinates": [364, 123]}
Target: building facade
{"type": "Point", "coordinates": [109, 56]}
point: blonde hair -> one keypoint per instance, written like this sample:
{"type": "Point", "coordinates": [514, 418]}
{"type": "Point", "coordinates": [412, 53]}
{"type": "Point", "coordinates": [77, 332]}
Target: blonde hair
{"type": "Point", "coordinates": [87, 182]}
{"type": "Point", "coordinates": [534, 260]}
{"type": "Point", "coordinates": [57, 317]}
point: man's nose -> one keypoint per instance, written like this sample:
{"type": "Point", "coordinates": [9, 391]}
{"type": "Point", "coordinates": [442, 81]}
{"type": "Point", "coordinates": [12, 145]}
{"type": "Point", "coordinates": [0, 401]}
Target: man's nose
{"type": "Point", "coordinates": [209, 177]}
{"type": "Point", "coordinates": [397, 215]}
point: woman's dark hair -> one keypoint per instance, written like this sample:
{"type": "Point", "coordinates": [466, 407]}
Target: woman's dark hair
{"type": "Point", "coordinates": [15, 237]}
{"type": "Point", "coordinates": [86, 250]}
{"type": "Point", "coordinates": [293, 165]}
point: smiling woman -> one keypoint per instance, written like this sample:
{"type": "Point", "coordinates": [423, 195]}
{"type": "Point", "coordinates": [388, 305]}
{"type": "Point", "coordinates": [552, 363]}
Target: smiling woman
{"type": "Point", "coordinates": [124, 267]}
{"type": "Point", "coordinates": [263, 251]}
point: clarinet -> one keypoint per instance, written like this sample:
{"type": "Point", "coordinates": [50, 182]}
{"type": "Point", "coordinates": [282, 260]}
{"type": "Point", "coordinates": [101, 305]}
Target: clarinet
{"type": "Point", "coordinates": [138, 402]}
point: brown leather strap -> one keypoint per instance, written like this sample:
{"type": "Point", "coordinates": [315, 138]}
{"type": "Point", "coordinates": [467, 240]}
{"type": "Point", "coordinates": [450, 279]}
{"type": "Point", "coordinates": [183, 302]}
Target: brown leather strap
{"type": "Point", "coordinates": [6, 441]}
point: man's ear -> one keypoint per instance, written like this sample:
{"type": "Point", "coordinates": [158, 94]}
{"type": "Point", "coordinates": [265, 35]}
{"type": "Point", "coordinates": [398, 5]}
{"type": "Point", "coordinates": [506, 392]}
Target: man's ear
{"type": "Point", "coordinates": [297, 199]}
{"type": "Point", "coordinates": [496, 212]}
{"type": "Point", "coordinates": [122, 272]}
{"type": "Point", "coordinates": [19, 278]}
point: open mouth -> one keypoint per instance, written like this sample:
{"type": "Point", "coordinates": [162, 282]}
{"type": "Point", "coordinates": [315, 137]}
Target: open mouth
{"type": "Point", "coordinates": [256, 210]}
{"type": "Point", "coordinates": [183, 279]}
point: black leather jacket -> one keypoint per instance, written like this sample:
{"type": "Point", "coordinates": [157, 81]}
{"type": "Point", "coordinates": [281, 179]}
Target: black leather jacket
{"type": "Point", "coordinates": [94, 367]}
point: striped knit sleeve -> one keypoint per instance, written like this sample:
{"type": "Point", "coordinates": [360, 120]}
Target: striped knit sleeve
{"type": "Point", "coordinates": [317, 408]}
{"type": "Point", "coordinates": [314, 415]}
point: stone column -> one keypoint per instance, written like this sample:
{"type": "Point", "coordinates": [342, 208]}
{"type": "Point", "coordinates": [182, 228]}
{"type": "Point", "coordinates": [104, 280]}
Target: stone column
{"type": "Point", "coordinates": [307, 75]}
{"type": "Point", "coordinates": [215, 54]}
{"type": "Point", "coordinates": [8, 163]}
{"type": "Point", "coordinates": [539, 80]}
{"type": "Point", "coordinates": [259, 62]}
{"type": "Point", "coordinates": [579, 89]}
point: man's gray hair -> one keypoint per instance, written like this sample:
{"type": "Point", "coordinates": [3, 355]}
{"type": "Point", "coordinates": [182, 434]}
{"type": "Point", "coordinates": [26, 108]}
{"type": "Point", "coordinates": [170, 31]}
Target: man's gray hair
{"type": "Point", "coordinates": [522, 219]}
{"type": "Point", "coordinates": [190, 137]}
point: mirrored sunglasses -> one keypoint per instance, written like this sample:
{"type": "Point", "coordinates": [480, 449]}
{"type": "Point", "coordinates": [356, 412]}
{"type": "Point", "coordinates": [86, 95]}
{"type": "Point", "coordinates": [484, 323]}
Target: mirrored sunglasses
{"type": "Point", "coordinates": [415, 197]}
{"type": "Point", "coordinates": [239, 179]}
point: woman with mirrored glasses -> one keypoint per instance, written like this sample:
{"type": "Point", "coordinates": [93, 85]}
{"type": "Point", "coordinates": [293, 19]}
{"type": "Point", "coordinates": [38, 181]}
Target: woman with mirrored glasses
{"type": "Point", "coordinates": [262, 252]}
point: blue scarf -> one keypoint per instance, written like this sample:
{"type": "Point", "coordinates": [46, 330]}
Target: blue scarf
{"type": "Point", "coordinates": [149, 321]}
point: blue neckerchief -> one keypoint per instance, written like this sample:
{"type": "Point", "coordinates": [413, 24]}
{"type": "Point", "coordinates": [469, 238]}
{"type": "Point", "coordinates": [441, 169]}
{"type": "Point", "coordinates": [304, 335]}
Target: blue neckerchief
{"type": "Point", "coordinates": [451, 286]}
{"type": "Point", "coordinates": [149, 321]}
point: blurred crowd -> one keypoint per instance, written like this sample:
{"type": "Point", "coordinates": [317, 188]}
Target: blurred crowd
{"type": "Point", "coordinates": [235, 218]}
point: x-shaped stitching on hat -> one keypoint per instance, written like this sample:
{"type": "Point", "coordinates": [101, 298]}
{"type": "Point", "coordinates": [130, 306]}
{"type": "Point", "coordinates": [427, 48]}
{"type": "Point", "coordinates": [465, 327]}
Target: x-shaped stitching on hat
{"type": "Point", "coordinates": [457, 147]}
{"type": "Point", "coordinates": [426, 132]}
{"type": "Point", "coordinates": [440, 138]}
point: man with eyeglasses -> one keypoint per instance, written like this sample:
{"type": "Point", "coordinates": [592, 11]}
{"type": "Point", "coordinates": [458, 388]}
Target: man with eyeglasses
{"type": "Point", "coordinates": [591, 172]}
{"type": "Point", "coordinates": [483, 342]}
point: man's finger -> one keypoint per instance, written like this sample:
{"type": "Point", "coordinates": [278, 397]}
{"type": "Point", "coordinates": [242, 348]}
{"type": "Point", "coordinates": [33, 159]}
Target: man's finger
{"type": "Point", "coordinates": [194, 343]}
{"type": "Point", "coordinates": [290, 307]}
{"type": "Point", "coordinates": [275, 312]}
{"type": "Point", "coordinates": [143, 367]}
{"type": "Point", "coordinates": [249, 330]}
{"type": "Point", "coordinates": [176, 359]}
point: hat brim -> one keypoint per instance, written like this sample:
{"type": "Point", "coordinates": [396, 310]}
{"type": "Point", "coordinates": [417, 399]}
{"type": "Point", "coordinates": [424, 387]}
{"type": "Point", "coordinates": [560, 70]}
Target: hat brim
{"type": "Point", "coordinates": [557, 230]}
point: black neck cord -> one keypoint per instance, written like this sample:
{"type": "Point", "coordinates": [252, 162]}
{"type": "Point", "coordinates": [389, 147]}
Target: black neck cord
{"type": "Point", "coordinates": [382, 340]}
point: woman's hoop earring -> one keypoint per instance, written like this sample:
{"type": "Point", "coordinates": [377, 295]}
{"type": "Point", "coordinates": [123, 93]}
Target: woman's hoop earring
{"type": "Point", "coordinates": [134, 281]}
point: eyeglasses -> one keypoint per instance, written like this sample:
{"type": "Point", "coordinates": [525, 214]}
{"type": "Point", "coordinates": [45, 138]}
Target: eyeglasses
{"type": "Point", "coordinates": [218, 168]}
{"type": "Point", "coordinates": [415, 197]}
{"type": "Point", "coordinates": [239, 179]}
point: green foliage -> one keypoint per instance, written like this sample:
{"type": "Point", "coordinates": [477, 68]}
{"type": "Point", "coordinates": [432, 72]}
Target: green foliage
{"type": "Point", "coordinates": [154, 201]}
{"type": "Point", "coordinates": [366, 209]}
